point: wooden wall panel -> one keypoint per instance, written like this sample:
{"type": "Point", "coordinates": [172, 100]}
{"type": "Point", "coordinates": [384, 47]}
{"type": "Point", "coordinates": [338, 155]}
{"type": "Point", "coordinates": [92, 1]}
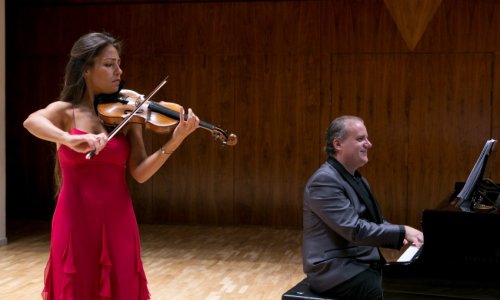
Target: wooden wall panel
{"type": "Point", "coordinates": [31, 85]}
{"type": "Point", "coordinates": [463, 26]}
{"type": "Point", "coordinates": [450, 117]}
{"type": "Point", "coordinates": [201, 28]}
{"type": "Point", "coordinates": [374, 88]}
{"type": "Point", "coordinates": [359, 26]}
{"type": "Point", "coordinates": [494, 163]}
{"type": "Point", "coordinates": [278, 97]}
{"type": "Point", "coordinates": [52, 30]}
{"type": "Point", "coordinates": [428, 117]}
{"type": "Point", "coordinates": [196, 185]}
{"type": "Point", "coordinates": [277, 27]}
{"type": "Point", "coordinates": [275, 73]}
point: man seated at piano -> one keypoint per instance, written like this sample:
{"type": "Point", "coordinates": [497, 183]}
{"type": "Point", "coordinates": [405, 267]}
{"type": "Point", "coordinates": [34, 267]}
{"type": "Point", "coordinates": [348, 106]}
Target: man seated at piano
{"type": "Point", "coordinates": [343, 226]}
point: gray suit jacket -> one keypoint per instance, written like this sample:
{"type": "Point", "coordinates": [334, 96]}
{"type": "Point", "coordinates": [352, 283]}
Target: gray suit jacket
{"type": "Point", "coordinates": [342, 228]}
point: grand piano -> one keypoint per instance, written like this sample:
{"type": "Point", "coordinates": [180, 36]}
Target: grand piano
{"type": "Point", "coordinates": [460, 258]}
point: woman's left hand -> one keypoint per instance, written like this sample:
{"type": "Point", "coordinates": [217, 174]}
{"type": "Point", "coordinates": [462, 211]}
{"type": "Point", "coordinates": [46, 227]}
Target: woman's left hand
{"type": "Point", "coordinates": [186, 127]}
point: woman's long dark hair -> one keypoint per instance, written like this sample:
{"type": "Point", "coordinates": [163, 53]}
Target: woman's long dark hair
{"type": "Point", "coordinates": [82, 57]}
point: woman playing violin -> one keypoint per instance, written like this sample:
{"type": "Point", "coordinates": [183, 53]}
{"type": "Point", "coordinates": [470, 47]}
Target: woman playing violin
{"type": "Point", "coordinates": [95, 244]}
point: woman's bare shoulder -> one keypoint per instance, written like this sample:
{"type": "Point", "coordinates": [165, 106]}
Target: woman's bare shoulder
{"type": "Point", "coordinates": [58, 112]}
{"type": "Point", "coordinates": [59, 105]}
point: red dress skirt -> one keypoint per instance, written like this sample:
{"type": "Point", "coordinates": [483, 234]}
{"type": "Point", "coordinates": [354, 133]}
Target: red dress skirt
{"type": "Point", "coordinates": [95, 244]}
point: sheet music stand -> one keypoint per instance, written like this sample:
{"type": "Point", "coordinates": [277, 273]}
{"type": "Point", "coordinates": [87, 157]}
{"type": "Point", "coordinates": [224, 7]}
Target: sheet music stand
{"type": "Point", "coordinates": [468, 197]}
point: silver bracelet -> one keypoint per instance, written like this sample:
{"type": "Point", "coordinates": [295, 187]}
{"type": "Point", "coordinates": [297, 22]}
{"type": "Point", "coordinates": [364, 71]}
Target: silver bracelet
{"type": "Point", "coordinates": [162, 150]}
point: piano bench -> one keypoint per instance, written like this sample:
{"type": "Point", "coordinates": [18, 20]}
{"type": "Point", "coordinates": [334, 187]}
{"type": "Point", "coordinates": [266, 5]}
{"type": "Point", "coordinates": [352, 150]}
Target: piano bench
{"type": "Point", "coordinates": [301, 291]}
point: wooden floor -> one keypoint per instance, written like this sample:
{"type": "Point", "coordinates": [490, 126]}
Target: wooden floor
{"type": "Point", "coordinates": [181, 262]}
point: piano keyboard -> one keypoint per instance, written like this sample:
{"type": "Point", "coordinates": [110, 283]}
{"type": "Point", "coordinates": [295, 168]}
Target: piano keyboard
{"type": "Point", "coordinates": [410, 254]}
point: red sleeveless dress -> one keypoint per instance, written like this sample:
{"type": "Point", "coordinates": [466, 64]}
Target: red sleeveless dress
{"type": "Point", "coordinates": [95, 245]}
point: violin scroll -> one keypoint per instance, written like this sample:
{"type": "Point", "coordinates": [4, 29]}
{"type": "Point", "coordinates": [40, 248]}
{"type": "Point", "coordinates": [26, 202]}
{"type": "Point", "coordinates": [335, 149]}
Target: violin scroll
{"type": "Point", "coordinates": [223, 136]}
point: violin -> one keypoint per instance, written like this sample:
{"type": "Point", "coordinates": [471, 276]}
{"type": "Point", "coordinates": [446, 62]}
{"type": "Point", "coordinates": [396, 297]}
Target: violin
{"type": "Point", "coordinates": [129, 106]}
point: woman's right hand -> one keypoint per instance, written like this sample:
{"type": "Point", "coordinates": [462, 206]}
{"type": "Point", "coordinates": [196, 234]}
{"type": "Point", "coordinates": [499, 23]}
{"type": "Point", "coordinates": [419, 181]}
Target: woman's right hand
{"type": "Point", "coordinates": [52, 124]}
{"type": "Point", "coordinates": [84, 143]}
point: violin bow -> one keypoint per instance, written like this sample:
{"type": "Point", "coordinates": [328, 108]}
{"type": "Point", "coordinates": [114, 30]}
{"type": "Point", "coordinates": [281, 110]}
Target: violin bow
{"type": "Point", "coordinates": [129, 117]}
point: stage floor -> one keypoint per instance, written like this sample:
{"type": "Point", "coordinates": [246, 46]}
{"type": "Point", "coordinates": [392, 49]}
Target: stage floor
{"type": "Point", "coordinates": [181, 262]}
